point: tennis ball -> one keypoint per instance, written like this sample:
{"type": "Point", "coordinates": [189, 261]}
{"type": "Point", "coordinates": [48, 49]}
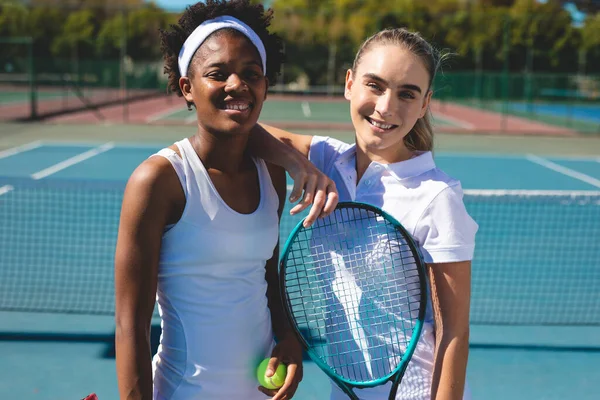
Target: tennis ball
{"type": "Point", "coordinates": [273, 382]}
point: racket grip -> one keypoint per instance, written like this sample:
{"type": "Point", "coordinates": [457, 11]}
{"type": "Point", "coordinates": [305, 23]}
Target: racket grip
{"type": "Point", "coordinates": [348, 391]}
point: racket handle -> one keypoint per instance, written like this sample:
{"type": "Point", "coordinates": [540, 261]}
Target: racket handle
{"type": "Point", "coordinates": [395, 384]}
{"type": "Point", "coordinates": [348, 391]}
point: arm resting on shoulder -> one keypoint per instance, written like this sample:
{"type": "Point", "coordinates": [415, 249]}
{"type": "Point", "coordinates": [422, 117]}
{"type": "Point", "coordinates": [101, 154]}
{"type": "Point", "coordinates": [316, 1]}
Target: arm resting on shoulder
{"type": "Point", "coordinates": [290, 151]}
{"type": "Point", "coordinates": [277, 145]}
{"type": "Point", "coordinates": [451, 296]}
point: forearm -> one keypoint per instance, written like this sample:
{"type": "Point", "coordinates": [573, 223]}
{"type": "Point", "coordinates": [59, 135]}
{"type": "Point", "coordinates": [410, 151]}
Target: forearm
{"type": "Point", "coordinates": [134, 364]}
{"type": "Point", "coordinates": [450, 296]}
{"type": "Point", "coordinates": [450, 367]}
{"type": "Point", "coordinates": [264, 145]}
{"type": "Point", "coordinates": [281, 327]}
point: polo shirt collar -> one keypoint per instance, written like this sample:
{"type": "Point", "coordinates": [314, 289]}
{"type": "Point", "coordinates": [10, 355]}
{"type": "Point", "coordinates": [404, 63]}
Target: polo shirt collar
{"type": "Point", "coordinates": [415, 166]}
{"type": "Point", "coordinates": [348, 154]}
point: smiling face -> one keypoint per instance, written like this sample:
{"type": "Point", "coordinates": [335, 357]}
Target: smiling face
{"type": "Point", "coordinates": [388, 93]}
{"type": "Point", "coordinates": [226, 84]}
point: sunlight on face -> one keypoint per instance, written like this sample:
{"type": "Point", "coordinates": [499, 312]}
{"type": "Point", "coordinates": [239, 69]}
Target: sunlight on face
{"type": "Point", "coordinates": [388, 93]}
{"type": "Point", "coordinates": [227, 84]}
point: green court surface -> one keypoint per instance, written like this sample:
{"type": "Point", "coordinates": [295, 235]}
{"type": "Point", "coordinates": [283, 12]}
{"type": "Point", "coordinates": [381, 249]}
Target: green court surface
{"type": "Point", "coordinates": [535, 311]}
{"type": "Point", "coordinates": [304, 111]}
{"type": "Point", "coordinates": [10, 97]}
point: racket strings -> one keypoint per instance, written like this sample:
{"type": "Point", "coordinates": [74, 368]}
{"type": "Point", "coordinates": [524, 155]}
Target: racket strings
{"type": "Point", "coordinates": [353, 287]}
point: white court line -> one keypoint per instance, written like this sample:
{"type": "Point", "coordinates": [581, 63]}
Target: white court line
{"type": "Point", "coordinates": [519, 192]}
{"type": "Point", "coordinates": [453, 154]}
{"type": "Point", "coordinates": [576, 158]}
{"type": "Point", "coordinates": [20, 149]}
{"type": "Point", "coordinates": [5, 189]}
{"type": "Point", "coordinates": [306, 109]}
{"type": "Point", "coordinates": [90, 143]}
{"type": "Point", "coordinates": [72, 161]}
{"type": "Point", "coordinates": [563, 170]}
{"type": "Point", "coordinates": [166, 113]}
{"type": "Point", "coordinates": [530, 193]}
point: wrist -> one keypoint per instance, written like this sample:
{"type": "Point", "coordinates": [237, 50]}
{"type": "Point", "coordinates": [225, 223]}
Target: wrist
{"type": "Point", "coordinates": [287, 335]}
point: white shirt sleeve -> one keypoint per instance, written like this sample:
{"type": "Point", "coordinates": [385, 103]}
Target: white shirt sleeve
{"type": "Point", "coordinates": [324, 151]}
{"type": "Point", "coordinates": [446, 231]}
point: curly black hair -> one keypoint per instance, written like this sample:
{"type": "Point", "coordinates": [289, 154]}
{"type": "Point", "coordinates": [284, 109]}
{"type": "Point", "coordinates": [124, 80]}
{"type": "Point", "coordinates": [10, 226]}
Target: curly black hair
{"type": "Point", "coordinates": [254, 15]}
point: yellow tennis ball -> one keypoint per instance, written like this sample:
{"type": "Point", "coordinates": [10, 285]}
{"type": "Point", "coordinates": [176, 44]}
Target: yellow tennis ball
{"type": "Point", "coordinates": [272, 382]}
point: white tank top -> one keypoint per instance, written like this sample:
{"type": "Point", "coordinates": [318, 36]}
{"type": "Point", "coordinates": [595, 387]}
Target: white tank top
{"type": "Point", "coordinates": [216, 326]}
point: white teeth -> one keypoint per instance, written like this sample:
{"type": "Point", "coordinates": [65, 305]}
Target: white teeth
{"type": "Point", "coordinates": [380, 125]}
{"type": "Point", "coordinates": [238, 107]}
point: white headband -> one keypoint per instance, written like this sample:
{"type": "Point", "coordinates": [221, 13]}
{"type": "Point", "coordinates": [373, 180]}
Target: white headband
{"type": "Point", "coordinates": [204, 30]}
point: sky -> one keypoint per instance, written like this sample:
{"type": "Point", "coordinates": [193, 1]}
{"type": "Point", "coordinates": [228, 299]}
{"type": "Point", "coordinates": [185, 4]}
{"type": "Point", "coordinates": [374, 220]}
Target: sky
{"type": "Point", "coordinates": [174, 5]}
{"type": "Point", "coordinates": [178, 5]}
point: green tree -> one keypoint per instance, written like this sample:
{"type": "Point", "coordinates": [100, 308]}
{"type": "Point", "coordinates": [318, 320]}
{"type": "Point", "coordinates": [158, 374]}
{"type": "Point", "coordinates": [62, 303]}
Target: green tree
{"type": "Point", "coordinates": [475, 37]}
{"type": "Point", "coordinates": [13, 20]}
{"type": "Point", "coordinates": [590, 34]}
{"type": "Point", "coordinates": [76, 38]}
{"type": "Point", "coordinates": [13, 23]}
{"type": "Point", "coordinates": [110, 37]}
{"type": "Point", "coordinates": [590, 44]}
{"type": "Point", "coordinates": [44, 25]}
{"type": "Point", "coordinates": [95, 4]}
{"type": "Point", "coordinates": [542, 37]}
{"type": "Point", "coordinates": [141, 32]}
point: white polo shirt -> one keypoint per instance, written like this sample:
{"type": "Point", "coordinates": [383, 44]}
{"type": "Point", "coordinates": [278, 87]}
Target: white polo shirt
{"type": "Point", "coordinates": [429, 204]}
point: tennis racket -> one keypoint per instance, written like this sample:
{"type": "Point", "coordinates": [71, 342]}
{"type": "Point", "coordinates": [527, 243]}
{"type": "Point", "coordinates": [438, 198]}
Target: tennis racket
{"type": "Point", "coordinates": [354, 290]}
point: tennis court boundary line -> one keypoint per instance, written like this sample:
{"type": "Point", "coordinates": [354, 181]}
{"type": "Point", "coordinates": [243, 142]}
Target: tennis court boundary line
{"type": "Point", "coordinates": [516, 156]}
{"type": "Point", "coordinates": [563, 170]}
{"type": "Point", "coordinates": [536, 347]}
{"type": "Point", "coordinates": [72, 161]}
{"type": "Point", "coordinates": [519, 192]}
{"type": "Point", "coordinates": [20, 149]}
{"type": "Point", "coordinates": [5, 189]}
{"type": "Point", "coordinates": [526, 192]}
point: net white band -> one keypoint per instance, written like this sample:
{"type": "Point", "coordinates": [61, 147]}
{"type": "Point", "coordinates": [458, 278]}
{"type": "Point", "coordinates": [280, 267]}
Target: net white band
{"type": "Point", "coordinates": [204, 30]}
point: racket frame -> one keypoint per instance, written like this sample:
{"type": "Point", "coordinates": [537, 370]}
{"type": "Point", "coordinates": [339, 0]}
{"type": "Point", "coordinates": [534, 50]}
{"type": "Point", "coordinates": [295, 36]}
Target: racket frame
{"type": "Point", "coordinates": [345, 384]}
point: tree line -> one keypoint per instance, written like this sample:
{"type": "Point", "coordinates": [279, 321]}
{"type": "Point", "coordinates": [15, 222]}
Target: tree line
{"type": "Point", "coordinates": [321, 36]}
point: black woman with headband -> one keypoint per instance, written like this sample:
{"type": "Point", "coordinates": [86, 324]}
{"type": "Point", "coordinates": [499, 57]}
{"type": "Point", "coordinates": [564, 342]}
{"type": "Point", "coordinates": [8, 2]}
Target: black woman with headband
{"type": "Point", "coordinates": [199, 224]}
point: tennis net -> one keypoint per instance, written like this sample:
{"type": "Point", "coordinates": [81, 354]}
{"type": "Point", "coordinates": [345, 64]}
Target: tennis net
{"type": "Point", "coordinates": [537, 258]}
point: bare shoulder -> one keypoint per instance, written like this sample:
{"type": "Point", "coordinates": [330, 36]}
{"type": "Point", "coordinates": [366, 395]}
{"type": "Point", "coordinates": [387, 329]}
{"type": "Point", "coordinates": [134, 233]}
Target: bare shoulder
{"type": "Point", "coordinates": [152, 173]}
{"type": "Point", "coordinates": [155, 183]}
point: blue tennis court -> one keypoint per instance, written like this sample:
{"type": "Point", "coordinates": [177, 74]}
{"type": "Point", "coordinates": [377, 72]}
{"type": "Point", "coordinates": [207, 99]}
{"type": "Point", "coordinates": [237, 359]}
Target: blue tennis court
{"type": "Point", "coordinates": [588, 112]}
{"type": "Point", "coordinates": [536, 273]}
